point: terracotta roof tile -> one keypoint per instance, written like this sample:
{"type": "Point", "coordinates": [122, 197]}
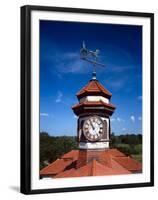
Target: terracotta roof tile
{"type": "Point", "coordinates": [129, 163]}
{"type": "Point", "coordinates": [72, 154]}
{"type": "Point", "coordinates": [60, 164]}
{"type": "Point", "coordinates": [114, 153]}
{"type": "Point", "coordinates": [93, 168]}
{"type": "Point", "coordinates": [56, 167]}
{"type": "Point", "coordinates": [93, 87]}
{"type": "Point", "coordinates": [111, 162]}
{"type": "Point", "coordinates": [68, 173]}
{"type": "Point", "coordinates": [94, 103]}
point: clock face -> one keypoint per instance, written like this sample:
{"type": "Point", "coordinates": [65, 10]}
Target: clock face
{"type": "Point", "coordinates": [93, 128]}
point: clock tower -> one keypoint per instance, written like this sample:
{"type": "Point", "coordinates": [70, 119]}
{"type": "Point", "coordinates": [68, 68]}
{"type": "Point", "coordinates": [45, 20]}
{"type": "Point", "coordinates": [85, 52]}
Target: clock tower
{"type": "Point", "coordinates": [93, 110]}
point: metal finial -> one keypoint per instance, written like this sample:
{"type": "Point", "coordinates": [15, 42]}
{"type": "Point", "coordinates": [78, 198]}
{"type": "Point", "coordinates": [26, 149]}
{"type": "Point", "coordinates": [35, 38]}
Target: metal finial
{"type": "Point", "coordinates": [94, 75]}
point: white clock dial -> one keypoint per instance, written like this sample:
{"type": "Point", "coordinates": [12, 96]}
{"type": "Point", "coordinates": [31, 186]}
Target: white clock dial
{"type": "Point", "coordinates": [93, 128]}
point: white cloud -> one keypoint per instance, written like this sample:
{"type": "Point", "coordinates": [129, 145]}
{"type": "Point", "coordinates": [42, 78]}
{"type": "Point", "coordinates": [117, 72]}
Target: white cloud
{"type": "Point", "coordinates": [44, 114]}
{"type": "Point", "coordinates": [69, 62]}
{"type": "Point", "coordinates": [74, 66]}
{"type": "Point", "coordinates": [75, 117]}
{"type": "Point", "coordinates": [117, 83]}
{"type": "Point", "coordinates": [139, 97]}
{"type": "Point", "coordinates": [59, 97]}
{"type": "Point", "coordinates": [118, 119]}
{"type": "Point", "coordinates": [139, 118]}
{"type": "Point", "coordinates": [113, 119]}
{"type": "Point", "coordinates": [132, 118]}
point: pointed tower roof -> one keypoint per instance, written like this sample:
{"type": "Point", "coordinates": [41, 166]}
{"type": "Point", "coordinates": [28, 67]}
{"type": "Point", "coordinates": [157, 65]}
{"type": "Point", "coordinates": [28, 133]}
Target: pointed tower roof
{"type": "Point", "coordinates": [93, 88]}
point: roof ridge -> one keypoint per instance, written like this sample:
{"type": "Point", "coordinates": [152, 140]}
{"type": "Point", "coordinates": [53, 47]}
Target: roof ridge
{"type": "Point", "coordinates": [127, 166]}
{"type": "Point", "coordinates": [102, 87]}
{"type": "Point", "coordinates": [121, 166]}
{"type": "Point", "coordinates": [93, 167]}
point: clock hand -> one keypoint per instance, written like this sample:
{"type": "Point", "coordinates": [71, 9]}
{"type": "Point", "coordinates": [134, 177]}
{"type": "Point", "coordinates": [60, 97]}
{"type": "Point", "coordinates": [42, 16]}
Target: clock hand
{"type": "Point", "coordinates": [92, 124]}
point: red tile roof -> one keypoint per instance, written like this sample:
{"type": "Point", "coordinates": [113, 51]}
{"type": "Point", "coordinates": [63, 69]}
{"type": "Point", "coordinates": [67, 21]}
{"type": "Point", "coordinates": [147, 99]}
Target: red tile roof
{"type": "Point", "coordinates": [56, 167]}
{"type": "Point", "coordinates": [129, 163]}
{"type": "Point", "coordinates": [111, 162]}
{"type": "Point", "coordinates": [114, 153]}
{"type": "Point", "coordinates": [93, 87]}
{"type": "Point", "coordinates": [93, 105]}
{"type": "Point", "coordinates": [60, 164]}
{"type": "Point", "coordinates": [93, 168]}
{"type": "Point", "coordinates": [73, 154]}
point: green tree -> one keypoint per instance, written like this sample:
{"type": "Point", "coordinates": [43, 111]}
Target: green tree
{"type": "Point", "coordinates": [52, 147]}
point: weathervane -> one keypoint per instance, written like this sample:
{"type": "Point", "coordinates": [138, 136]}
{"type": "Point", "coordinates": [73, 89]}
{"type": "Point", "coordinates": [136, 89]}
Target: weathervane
{"type": "Point", "coordinates": [91, 57]}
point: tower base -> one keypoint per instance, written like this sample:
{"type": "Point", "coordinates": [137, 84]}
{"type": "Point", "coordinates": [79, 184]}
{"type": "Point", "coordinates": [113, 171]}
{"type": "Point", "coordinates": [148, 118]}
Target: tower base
{"type": "Point", "coordinates": [86, 156]}
{"type": "Point", "coordinates": [93, 146]}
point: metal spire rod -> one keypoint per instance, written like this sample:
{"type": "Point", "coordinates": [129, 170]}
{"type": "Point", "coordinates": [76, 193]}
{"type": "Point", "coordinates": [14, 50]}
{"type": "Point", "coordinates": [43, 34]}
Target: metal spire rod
{"type": "Point", "coordinates": [91, 57]}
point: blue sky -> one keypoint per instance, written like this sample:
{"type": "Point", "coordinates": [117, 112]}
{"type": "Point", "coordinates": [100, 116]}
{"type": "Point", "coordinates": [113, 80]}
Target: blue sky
{"type": "Point", "coordinates": [63, 73]}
